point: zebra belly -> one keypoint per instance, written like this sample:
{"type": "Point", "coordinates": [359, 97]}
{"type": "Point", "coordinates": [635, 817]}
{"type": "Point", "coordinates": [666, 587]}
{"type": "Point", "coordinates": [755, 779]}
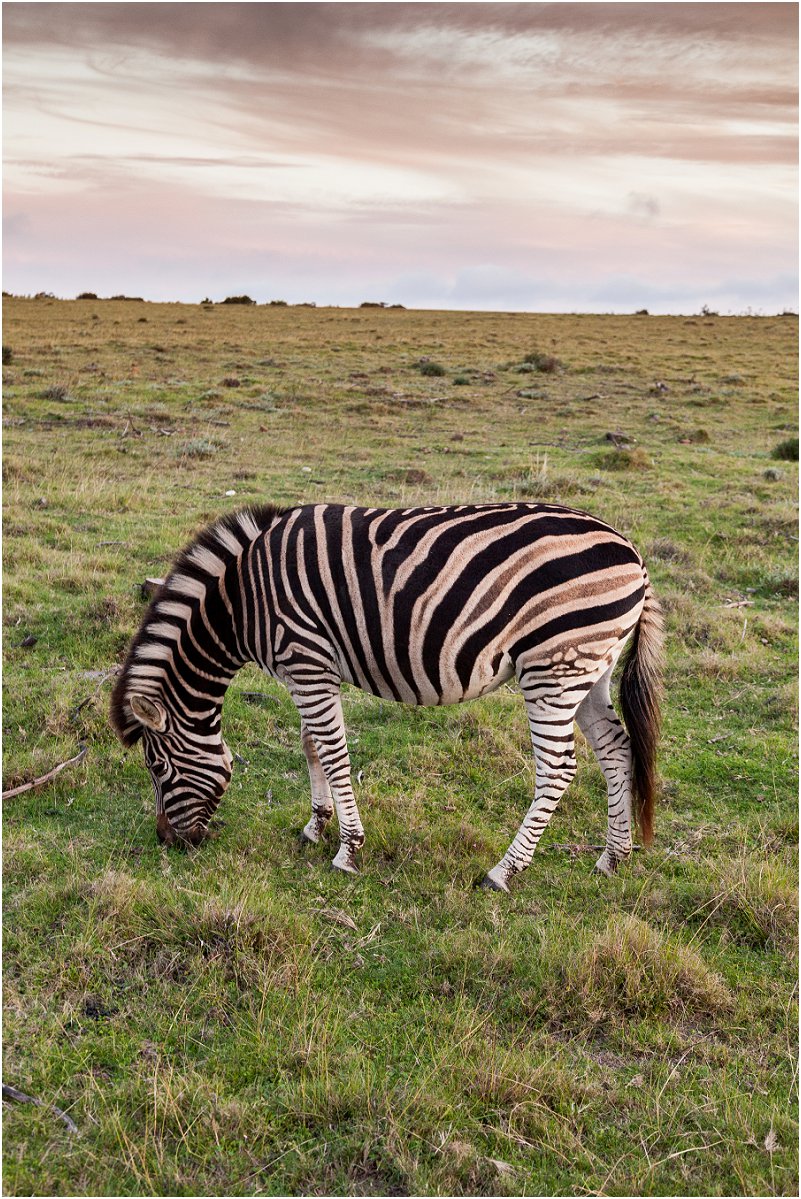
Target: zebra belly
{"type": "Point", "coordinates": [485, 678]}
{"type": "Point", "coordinates": [482, 681]}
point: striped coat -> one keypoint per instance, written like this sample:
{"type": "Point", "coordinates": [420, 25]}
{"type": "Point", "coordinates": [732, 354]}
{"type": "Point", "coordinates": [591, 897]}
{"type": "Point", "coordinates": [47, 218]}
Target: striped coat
{"type": "Point", "coordinates": [419, 605]}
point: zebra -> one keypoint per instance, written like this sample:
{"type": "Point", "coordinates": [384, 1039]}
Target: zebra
{"type": "Point", "coordinates": [423, 606]}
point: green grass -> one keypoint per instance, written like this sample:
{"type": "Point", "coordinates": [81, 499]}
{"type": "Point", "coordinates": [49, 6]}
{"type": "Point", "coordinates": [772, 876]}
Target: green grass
{"type": "Point", "coordinates": [211, 1020]}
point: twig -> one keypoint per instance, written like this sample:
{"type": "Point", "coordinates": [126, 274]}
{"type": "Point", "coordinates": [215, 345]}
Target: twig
{"type": "Point", "coordinates": [115, 670]}
{"type": "Point", "coordinates": [51, 774]}
{"type": "Point", "coordinates": [21, 1097]}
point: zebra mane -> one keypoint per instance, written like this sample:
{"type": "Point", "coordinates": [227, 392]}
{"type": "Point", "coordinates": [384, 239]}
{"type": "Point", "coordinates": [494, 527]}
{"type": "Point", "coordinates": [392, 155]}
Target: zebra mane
{"type": "Point", "coordinates": [204, 560]}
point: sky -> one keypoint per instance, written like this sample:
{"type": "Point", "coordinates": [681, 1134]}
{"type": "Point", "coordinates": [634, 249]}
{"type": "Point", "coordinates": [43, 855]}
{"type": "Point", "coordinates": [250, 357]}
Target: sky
{"type": "Point", "coordinates": [508, 157]}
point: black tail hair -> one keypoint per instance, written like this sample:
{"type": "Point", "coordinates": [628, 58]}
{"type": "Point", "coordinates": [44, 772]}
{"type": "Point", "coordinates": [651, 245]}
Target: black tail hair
{"type": "Point", "coordinates": [640, 696]}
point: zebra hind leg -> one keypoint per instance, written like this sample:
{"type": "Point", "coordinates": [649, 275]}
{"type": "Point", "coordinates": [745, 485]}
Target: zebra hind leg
{"type": "Point", "coordinates": [610, 743]}
{"type": "Point", "coordinates": [551, 705]}
{"type": "Point", "coordinates": [321, 797]}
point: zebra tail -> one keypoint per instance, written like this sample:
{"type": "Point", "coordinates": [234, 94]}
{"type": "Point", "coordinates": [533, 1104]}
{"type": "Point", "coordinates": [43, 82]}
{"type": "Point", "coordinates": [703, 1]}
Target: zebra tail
{"type": "Point", "coordinates": [640, 696]}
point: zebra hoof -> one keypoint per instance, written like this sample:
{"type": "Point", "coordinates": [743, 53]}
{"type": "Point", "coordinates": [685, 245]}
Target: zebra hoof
{"type": "Point", "coordinates": [346, 869]}
{"type": "Point", "coordinates": [305, 839]}
{"type": "Point", "coordinates": [345, 860]}
{"type": "Point", "coordinates": [492, 884]}
{"type": "Point", "coordinates": [607, 865]}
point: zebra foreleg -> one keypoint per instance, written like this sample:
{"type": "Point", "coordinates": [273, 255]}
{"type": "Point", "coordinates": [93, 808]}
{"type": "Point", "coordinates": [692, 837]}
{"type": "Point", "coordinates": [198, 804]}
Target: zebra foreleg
{"type": "Point", "coordinates": [321, 714]}
{"type": "Point", "coordinates": [552, 741]}
{"type": "Point", "coordinates": [610, 743]}
{"type": "Point", "coordinates": [321, 798]}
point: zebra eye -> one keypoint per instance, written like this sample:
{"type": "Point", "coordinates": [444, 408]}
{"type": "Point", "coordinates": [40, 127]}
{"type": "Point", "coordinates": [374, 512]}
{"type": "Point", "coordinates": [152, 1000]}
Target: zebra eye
{"type": "Point", "coordinates": [159, 768]}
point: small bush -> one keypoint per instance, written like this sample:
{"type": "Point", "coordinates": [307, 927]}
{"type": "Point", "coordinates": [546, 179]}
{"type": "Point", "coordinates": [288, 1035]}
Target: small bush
{"type": "Point", "coordinates": [431, 368]}
{"type": "Point", "coordinates": [780, 582]}
{"type": "Point", "coordinates": [199, 447]}
{"type": "Point", "coordinates": [59, 393]}
{"type": "Point", "coordinates": [546, 363]}
{"type": "Point", "coordinates": [87, 295]}
{"type": "Point", "coordinates": [373, 304]}
{"type": "Point", "coordinates": [8, 355]}
{"type": "Point", "coordinates": [277, 304]}
{"type": "Point", "coordinates": [636, 459]}
{"type": "Point", "coordinates": [238, 300]}
{"type": "Point", "coordinates": [787, 450]}
{"type": "Point", "coordinates": [461, 381]}
{"type": "Point", "coordinates": [666, 550]}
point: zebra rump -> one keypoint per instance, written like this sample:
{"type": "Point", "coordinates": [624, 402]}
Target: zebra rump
{"type": "Point", "coordinates": [433, 605]}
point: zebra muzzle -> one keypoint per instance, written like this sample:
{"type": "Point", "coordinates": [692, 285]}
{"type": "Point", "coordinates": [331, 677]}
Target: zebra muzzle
{"type": "Point", "coordinates": [170, 836]}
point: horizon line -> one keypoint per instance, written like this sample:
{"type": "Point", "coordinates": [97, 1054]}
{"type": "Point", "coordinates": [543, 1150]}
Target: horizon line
{"type": "Point", "coordinates": [372, 306]}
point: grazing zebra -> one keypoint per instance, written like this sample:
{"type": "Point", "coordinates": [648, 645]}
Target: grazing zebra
{"type": "Point", "coordinates": [419, 605]}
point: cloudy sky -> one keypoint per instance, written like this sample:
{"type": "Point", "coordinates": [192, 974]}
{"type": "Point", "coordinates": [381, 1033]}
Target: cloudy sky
{"type": "Point", "coordinates": [537, 157]}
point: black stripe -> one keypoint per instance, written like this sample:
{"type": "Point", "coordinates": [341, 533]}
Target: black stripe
{"type": "Point", "coordinates": [599, 614]}
{"type": "Point", "coordinates": [557, 572]}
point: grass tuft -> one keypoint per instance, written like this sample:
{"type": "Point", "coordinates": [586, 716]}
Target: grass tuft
{"type": "Point", "coordinates": [198, 447]}
{"type": "Point", "coordinates": [635, 459]}
{"type": "Point", "coordinates": [633, 970]}
{"type": "Point", "coordinates": [58, 392]}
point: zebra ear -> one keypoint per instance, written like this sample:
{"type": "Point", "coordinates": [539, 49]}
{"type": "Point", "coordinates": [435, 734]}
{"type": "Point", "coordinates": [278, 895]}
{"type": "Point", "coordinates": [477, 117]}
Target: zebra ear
{"type": "Point", "coordinates": [148, 711]}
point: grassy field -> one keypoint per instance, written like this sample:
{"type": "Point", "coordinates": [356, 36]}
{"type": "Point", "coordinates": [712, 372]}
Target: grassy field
{"type": "Point", "coordinates": [244, 1020]}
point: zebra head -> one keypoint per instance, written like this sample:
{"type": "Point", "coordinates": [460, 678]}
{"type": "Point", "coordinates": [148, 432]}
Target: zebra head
{"type": "Point", "coordinates": [190, 767]}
